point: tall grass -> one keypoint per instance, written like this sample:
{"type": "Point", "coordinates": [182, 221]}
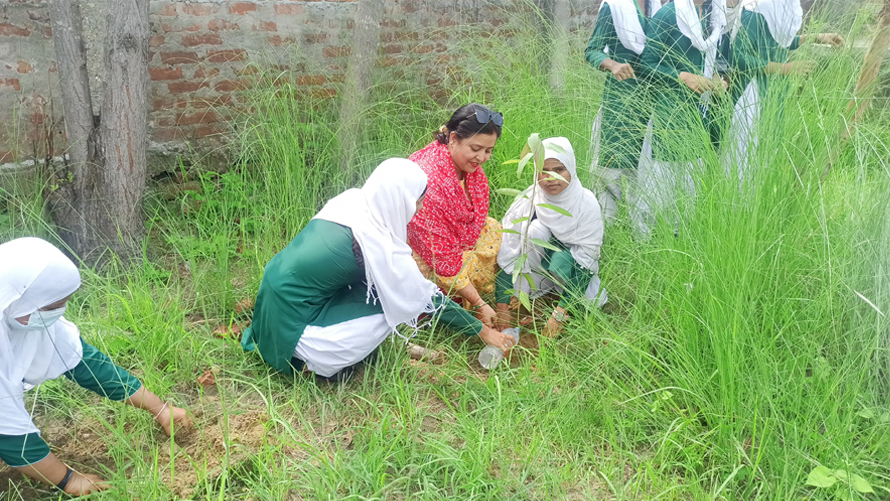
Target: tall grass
{"type": "Point", "coordinates": [738, 355]}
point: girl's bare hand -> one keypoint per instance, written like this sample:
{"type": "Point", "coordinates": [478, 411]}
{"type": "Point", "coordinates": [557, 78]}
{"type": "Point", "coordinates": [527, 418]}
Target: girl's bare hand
{"type": "Point", "coordinates": [81, 484]}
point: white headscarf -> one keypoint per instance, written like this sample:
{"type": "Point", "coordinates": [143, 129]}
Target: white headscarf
{"type": "Point", "coordinates": [690, 25]}
{"type": "Point", "coordinates": [734, 17]}
{"type": "Point", "coordinates": [627, 24]}
{"type": "Point", "coordinates": [378, 214]}
{"type": "Point", "coordinates": [33, 274]}
{"type": "Point", "coordinates": [582, 233]}
{"type": "Point", "coordinates": [784, 18]}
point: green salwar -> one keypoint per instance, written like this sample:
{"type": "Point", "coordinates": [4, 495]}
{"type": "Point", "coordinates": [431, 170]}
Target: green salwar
{"type": "Point", "coordinates": [625, 107]}
{"type": "Point", "coordinates": [95, 372]}
{"type": "Point", "coordinates": [562, 266]}
{"type": "Point", "coordinates": [316, 281]}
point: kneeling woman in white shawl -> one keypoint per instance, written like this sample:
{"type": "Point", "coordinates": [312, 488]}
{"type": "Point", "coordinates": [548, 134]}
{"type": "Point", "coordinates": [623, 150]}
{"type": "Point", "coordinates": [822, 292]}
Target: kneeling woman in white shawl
{"type": "Point", "coordinates": [574, 270]}
{"type": "Point", "coordinates": [348, 280]}
{"type": "Point", "coordinates": [37, 344]}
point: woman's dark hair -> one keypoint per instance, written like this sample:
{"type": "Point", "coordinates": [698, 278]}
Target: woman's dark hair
{"type": "Point", "coordinates": [465, 123]}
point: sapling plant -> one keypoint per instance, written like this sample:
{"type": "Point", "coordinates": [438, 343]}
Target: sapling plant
{"type": "Point", "coordinates": [534, 152]}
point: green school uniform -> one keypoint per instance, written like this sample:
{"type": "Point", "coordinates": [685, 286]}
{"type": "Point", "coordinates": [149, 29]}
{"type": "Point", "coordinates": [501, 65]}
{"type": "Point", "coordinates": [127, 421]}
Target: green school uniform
{"type": "Point", "coordinates": [95, 372]}
{"type": "Point", "coordinates": [625, 106]}
{"type": "Point", "coordinates": [752, 50]}
{"type": "Point", "coordinates": [559, 264]}
{"type": "Point", "coordinates": [316, 280]}
{"type": "Point", "coordinates": [677, 119]}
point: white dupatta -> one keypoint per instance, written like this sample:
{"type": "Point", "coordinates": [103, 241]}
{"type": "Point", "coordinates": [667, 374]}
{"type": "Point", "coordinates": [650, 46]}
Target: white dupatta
{"type": "Point", "coordinates": [33, 274]}
{"type": "Point", "coordinates": [690, 25]}
{"type": "Point", "coordinates": [378, 214]}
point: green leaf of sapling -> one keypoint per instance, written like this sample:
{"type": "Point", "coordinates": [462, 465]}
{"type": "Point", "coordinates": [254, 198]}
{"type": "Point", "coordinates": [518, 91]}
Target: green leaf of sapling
{"type": "Point", "coordinates": [558, 210]}
{"type": "Point", "coordinates": [508, 191]}
{"type": "Point", "coordinates": [522, 164]}
{"type": "Point", "coordinates": [520, 220]}
{"type": "Point", "coordinates": [821, 477]}
{"type": "Point", "coordinates": [512, 232]}
{"type": "Point", "coordinates": [545, 244]}
{"type": "Point", "coordinates": [557, 148]}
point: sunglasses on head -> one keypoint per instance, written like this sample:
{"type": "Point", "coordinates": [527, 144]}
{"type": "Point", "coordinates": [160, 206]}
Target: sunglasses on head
{"type": "Point", "coordinates": [485, 116]}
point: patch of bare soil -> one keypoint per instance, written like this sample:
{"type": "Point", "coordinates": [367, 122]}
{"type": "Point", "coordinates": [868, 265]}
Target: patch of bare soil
{"type": "Point", "coordinates": [220, 440]}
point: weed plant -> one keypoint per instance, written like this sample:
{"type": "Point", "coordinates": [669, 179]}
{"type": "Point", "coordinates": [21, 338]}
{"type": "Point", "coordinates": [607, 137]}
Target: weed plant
{"type": "Point", "coordinates": [736, 357]}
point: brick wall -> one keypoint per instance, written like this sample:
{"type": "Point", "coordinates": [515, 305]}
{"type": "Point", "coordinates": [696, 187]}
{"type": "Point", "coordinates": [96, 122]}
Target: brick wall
{"type": "Point", "coordinates": [203, 53]}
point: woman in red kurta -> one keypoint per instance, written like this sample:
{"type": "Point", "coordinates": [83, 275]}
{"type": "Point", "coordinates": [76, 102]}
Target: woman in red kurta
{"type": "Point", "coordinates": [455, 242]}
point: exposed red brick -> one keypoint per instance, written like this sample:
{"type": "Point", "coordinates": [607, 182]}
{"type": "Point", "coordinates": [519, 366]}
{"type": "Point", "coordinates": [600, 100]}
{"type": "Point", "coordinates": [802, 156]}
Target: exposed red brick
{"type": "Point", "coordinates": [288, 9]}
{"type": "Point", "coordinates": [336, 51]}
{"type": "Point", "coordinates": [176, 28]}
{"type": "Point", "coordinates": [277, 41]}
{"type": "Point", "coordinates": [350, 24]}
{"type": "Point", "coordinates": [314, 37]}
{"type": "Point", "coordinates": [498, 21]}
{"type": "Point", "coordinates": [24, 67]}
{"type": "Point", "coordinates": [409, 7]}
{"type": "Point", "coordinates": [340, 0]}
{"type": "Point", "coordinates": [224, 56]}
{"type": "Point", "coordinates": [423, 49]}
{"type": "Point", "coordinates": [168, 10]}
{"type": "Point", "coordinates": [390, 61]}
{"type": "Point", "coordinates": [37, 16]}
{"type": "Point", "coordinates": [210, 130]}
{"type": "Point", "coordinates": [6, 156]}
{"type": "Point", "coordinates": [206, 72]}
{"type": "Point", "coordinates": [221, 25]}
{"type": "Point", "coordinates": [392, 49]}
{"type": "Point", "coordinates": [242, 8]}
{"type": "Point", "coordinates": [37, 118]}
{"type": "Point", "coordinates": [444, 23]}
{"type": "Point", "coordinates": [265, 26]}
{"type": "Point", "coordinates": [164, 122]}
{"type": "Point", "coordinates": [183, 87]}
{"type": "Point", "coordinates": [162, 104]}
{"type": "Point", "coordinates": [203, 39]}
{"type": "Point", "coordinates": [324, 93]}
{"type": "Point", "coordinates": [156, 40]}
{"type": "Point", "coordinates": [47, 32]}
{"type": "Point", "coordinates": [165, 73]}
{"type": "Point", "coordinates": [232, 85]}
{"type": "Point", "coordinates": [11, 82]}
{"type": "Point", "coordinates": [179, 57]}
{"type": "Point", "coordinates": [311, 80]}
{"type": "Point", "coordinates": [7, 29]}
{"type": "Point", "coordinates": [338, 78]}
{"type": "Point", "coordinates": [199, 9]}
{"type": "Point", "coordinates": [202, 117]}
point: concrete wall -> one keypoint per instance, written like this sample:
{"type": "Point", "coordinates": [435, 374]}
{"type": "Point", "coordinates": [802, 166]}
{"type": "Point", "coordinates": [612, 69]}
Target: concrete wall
{"type": "Point", "coordinates": [203, 53]}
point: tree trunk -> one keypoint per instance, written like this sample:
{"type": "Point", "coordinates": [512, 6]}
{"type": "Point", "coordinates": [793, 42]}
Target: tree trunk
{"type": "Point", "coordinates": [97, 199]}
{"type": "Point", "coordinates": [559, 41]}
{"type": "Point", "coordinates": [362, 56]}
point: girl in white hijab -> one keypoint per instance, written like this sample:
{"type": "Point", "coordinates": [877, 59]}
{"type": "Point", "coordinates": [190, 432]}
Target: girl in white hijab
{"type": "Point", "coordinates": [768, 30]}
{"type": "Point", "coordinates": [679, 61]}
{"type": "Point", "coordinates": [348, 280]}
{"type": "Point", "coordinates": [574, 270]}
{"type": "Point", "coordinates": [37, 344]}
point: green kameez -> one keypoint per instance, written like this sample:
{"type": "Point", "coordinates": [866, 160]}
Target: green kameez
{"type": "Point", "coordinates": [753, 49]}
{"type": "Point", "coordinates": [95, 372]}
{"type": "Point", "coordinates": [625, 108]}
{"type": "Point", "coordinates": [316, 280]}
{"type": "Point", "coordinates": [677, 120]}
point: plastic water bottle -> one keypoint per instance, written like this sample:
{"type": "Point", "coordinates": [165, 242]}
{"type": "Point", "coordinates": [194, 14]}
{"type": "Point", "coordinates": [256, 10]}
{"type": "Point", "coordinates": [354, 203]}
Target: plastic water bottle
{"type": "Point", "coordinates": [491, 356]}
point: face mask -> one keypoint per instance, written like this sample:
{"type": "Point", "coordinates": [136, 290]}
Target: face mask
{"type": "Point", "coordinates": [39, 320]}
